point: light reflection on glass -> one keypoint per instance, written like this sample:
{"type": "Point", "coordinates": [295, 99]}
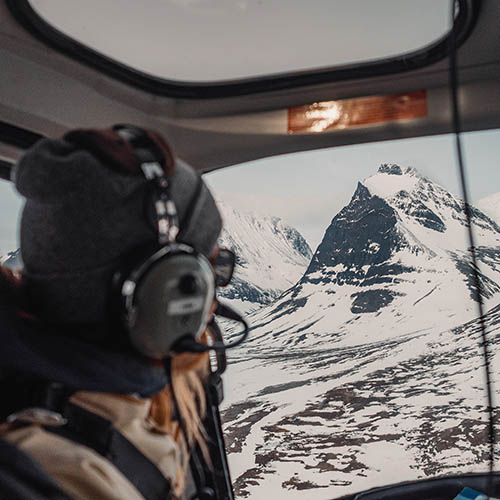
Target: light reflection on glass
{"type": "Point", "coordinates": [346, 113]}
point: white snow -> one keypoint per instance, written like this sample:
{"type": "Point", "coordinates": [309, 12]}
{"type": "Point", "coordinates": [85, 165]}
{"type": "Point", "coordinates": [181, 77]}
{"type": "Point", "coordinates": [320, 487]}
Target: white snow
{"type": "Point", "coordinates": [267, 258]}
{"type": "Point", "coordinates": [344, 401]}
{"type": "Point", "coordinates": [490, 205]}
{"type": "Point", "coordinates": [387, 185]}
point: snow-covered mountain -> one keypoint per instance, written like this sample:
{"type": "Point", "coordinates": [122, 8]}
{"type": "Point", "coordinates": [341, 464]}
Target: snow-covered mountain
{"type": "Point", "coordinates": [490, 205]}
{"type": "Point", "coordinates": [368, 371]}
{"type": "Point", "coordinates": [397, 247]}
{"type": "Point", "coordinates": [271, 257]}
{"type": "Point", "coordinates": [12, 260]}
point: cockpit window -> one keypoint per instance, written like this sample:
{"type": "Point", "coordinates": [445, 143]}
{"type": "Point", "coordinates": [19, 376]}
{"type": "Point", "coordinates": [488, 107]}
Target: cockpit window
{"type": "Point", "coordinates": [363, 366]}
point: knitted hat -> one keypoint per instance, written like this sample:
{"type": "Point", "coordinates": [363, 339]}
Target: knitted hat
{"type": "Point", "coordinates": [87, 207]}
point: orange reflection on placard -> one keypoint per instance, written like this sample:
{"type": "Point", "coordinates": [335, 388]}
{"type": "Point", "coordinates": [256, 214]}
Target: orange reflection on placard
{"type": "Point", "coordinates": [346, 113]}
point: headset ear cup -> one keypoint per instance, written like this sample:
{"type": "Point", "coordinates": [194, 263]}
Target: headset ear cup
{"type": "Point", "coordinates": [121, 303]}
{"type": "Point", "coordinates": [167, 298]}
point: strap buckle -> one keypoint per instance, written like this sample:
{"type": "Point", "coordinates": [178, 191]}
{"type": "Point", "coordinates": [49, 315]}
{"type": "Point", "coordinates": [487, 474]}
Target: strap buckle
{"type": "Point", "coordinates": [39, 416]}
{"type": "Point", "coordinates": [37, 402]}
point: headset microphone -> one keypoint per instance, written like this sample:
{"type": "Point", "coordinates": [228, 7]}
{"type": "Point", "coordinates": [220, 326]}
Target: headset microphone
{"type": "Point", "coordinates": [188, 344]}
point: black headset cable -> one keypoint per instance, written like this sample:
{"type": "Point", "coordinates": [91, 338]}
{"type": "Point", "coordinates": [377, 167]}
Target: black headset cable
{"type": "Point", "coordinates": [453, 81]}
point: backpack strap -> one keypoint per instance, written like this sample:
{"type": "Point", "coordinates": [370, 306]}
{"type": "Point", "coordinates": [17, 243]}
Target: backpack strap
{"type": "Point", "coordinates": [48, 404]}
{"type": "Point", "coordinates": [219, 474]}
{"type": "Point", "coordinates": [91, 430]}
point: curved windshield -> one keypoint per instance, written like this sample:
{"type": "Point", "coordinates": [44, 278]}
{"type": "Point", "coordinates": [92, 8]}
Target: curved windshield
{"type": "Point", "coordinates": [363, 366]}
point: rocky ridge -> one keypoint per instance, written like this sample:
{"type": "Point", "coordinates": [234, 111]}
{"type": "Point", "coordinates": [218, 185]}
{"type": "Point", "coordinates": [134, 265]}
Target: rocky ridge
{"type": "Point", "coordinates": [369, 370]}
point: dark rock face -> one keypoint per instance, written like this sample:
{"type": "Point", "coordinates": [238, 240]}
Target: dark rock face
{"type": "Point", "coordinates": [420, 212]}
{"type": "Point", "coordinates": [487, 285]}
{"type": "Point", "coordinates": [482, 220]}
{"type": "Point", "coordinates": [362, 234]}
{"type": "Point", "coordinates": [384, 273]}
{"type": "Point", "coordinates": [425, 216]}
{"type": "Point", "coordinates": [371, 300]}
{"type": "Point", "coordinates": [247, 292]}
{"type": "Point", "coordinates": [297, 240]}
{"type": "Point", "coordinates": [489, 256]}
{"type": "Point", "coordinates": [357, 246]}
{"type": "Point", "coordinates": [390, 168]}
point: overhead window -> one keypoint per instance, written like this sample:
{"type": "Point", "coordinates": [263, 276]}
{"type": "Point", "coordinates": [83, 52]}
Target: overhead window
{"type": "Point", "coordinates": [213, 41]}
{"type": "Point", "coordinates": [226, 42]}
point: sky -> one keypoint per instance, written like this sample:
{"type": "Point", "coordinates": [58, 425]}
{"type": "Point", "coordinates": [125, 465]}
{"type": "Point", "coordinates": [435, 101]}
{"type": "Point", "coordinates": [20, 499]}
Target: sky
{"type": "Point", "coordinates": [308, 189]}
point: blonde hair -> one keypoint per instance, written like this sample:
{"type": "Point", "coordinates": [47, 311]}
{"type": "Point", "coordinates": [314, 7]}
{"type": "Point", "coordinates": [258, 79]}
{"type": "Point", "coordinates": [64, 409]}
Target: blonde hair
{"type": "Point", "coordinates": [188, 374]}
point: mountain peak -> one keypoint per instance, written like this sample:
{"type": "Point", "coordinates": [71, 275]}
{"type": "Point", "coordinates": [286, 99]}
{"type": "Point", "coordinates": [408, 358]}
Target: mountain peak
{"type": "Point", "coordinates": [391, 179]}
{"type": "Point", "coordinates": [395, 169]}
{"type": "Point", "coordinates": [361, 193]}
{"type": "Point", "coordinates": [271, 256]}
{"type": "Point", "coordinates": [390, 168]}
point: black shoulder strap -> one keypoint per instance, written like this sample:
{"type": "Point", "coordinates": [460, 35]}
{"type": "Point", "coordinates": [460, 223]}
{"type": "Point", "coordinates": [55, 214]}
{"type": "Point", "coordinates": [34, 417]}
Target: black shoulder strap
{"type": "Point", "coordinates": [81, 426]}
{"type": "Point", "coordinates": [212, 480]}
{"type": "Point", "coordinates": [51, 401]}
{"type": "Point", "coordinates": [220, 473]}
{"type": "Point", "coordinates": [96, 432]}
{"type": "Point", "coordinates": [217, 475]}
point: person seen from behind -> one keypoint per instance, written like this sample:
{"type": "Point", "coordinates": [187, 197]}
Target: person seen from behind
{"type": "Point", "coordinates": [105, 333]}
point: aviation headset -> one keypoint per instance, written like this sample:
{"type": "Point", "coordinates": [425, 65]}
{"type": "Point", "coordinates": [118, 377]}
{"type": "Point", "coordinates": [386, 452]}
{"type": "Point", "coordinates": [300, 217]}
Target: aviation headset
{"type": "Point", "coordinates": [165, 296]}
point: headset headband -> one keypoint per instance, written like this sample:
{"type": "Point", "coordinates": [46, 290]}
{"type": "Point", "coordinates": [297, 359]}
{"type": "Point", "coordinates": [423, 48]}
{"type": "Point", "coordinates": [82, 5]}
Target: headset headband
{"type": "Point", "coordinates": [150, 159]}
{"type": "Point", "coordinates": [133, 150]}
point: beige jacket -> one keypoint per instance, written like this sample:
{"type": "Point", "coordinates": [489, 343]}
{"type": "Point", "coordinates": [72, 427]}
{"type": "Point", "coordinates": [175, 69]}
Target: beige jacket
{"type": "Point", "coordinates": [84, 474]}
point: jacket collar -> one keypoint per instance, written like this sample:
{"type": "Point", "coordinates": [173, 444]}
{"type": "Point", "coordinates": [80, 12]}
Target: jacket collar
{"type": "Point", "coordinates": [33, 349]}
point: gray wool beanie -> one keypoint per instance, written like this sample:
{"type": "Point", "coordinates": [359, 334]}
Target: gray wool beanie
{"type": "Point", "coordinates": [82, 218]}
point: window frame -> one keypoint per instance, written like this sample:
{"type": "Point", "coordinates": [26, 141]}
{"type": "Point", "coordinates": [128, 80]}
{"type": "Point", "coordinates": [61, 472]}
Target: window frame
{"type": "Point", "coordinates": [432, 53]}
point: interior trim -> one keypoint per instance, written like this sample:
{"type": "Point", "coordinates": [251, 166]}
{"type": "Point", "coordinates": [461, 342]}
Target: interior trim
{"type": "Point", "coordinates": [17, 136]}
{"type": "Point", "coordinates": [5, 170]}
